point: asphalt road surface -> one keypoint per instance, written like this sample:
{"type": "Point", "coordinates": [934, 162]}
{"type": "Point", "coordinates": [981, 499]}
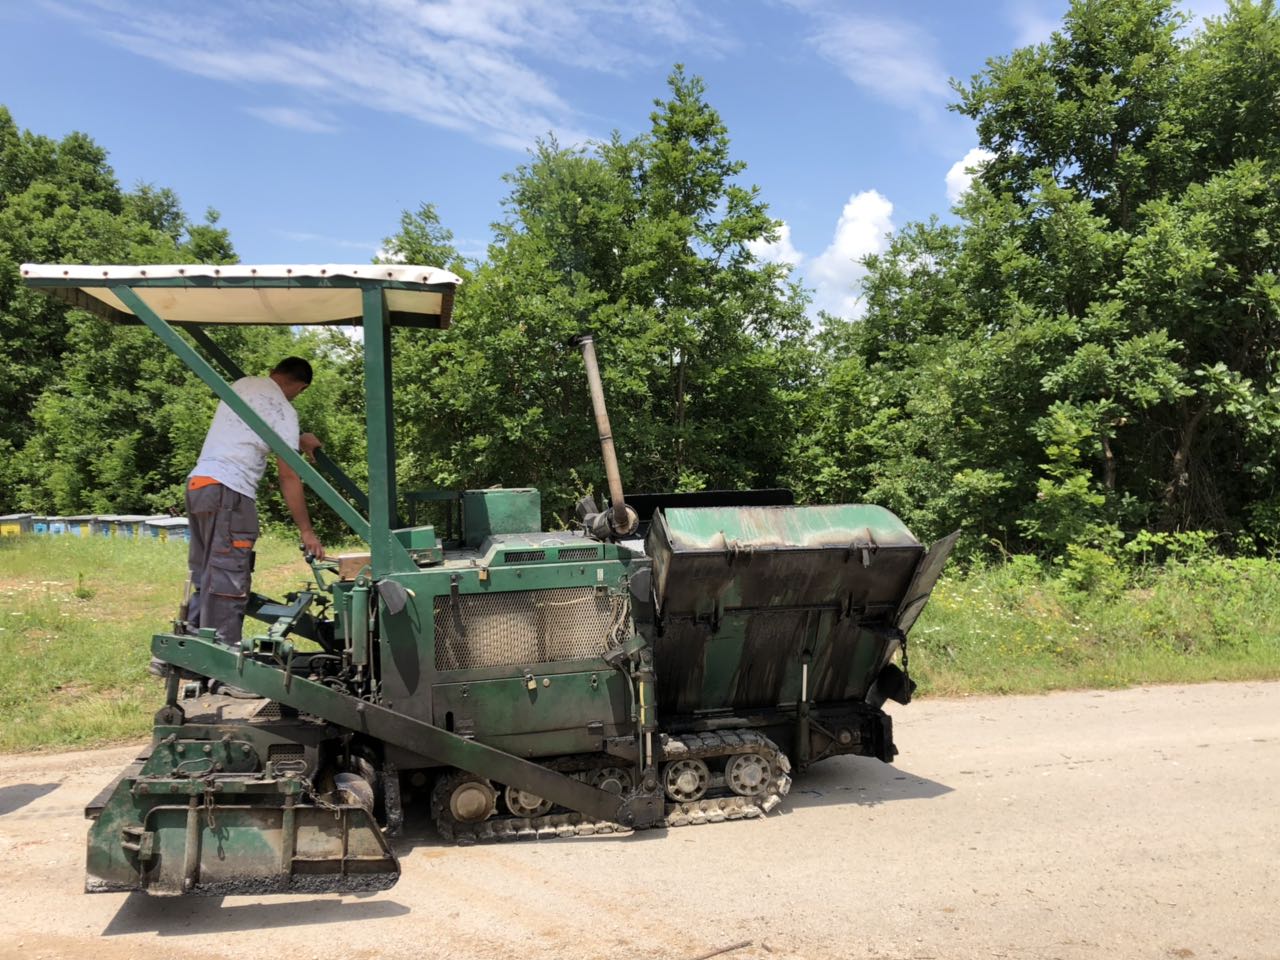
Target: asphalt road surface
{"type": "Point", "coordinates": [1138, 823]}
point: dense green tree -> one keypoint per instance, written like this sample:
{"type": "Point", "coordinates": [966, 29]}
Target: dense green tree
{"type": "Point", "coordinates": [642, 242]}
{"type": "Point", "coordinates": [59, 201]}
{"type": "Point", "coordinates": [1092, 348]}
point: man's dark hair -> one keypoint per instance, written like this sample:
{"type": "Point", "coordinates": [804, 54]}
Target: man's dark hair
{"type": "Point", "coordinates": [295, 368]}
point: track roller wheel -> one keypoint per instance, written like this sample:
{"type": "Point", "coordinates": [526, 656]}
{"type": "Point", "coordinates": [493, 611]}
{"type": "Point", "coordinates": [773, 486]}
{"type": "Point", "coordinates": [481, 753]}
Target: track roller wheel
{"type": "Point", "coordinates": [466, 797]}
{"type": "Point", "coordinates": [521, 803]}
{"type": "Point", "coordinates": [686, 780]}
{"type": "Point", "coordinates": [747, 774]}
{"type": "Point", "coordinates": [615, 780]}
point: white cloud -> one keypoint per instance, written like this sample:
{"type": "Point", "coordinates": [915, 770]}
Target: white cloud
{"type": "Point", "coordinates": [293, 119]}
{"type": "Point", "coordinates": [892, 59]}
{"type": "Point", "coordinates": [863, 229]}
{"type": "Point", "coordinates": [961, 174]}
{"type": "Point", "coordinates": [777, 251]}
{"type": "Point", "coordinates": [1034, 25]}
{"type": "Point", "coordinates": [476, 66]}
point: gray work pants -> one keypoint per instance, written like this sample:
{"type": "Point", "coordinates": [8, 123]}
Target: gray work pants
{"type": "Point", "coordinates": [224, 528]}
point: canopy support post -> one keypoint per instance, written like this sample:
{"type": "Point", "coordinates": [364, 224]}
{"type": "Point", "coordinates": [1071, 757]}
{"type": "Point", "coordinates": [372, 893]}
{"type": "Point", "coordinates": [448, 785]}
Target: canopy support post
{"type": "Point", "coordinates": [388, 553]}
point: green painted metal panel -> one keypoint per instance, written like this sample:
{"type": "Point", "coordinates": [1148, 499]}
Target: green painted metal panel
{"type": "Point", "coordinates": [748, 595]}
{"type": "Point", "coordinates": [221, 835]}
{"type": "Point", "coordinates": [556, 701]}
{"type": "Point", "coordinates": [710, 559]}
{"type": "Point", "coordinates": [508, 510]}
{"type": "Point", "coordinates": [722, 656]}
{"type": "Point", "coordinates": [405, 649]}
{"type": "Point", "coordinates": [922, 584]}
{"type": "Point", "coordinates": [417, 538]}
{"type": "Point", "coordinates": [388, 554]}
{"type": "Point", "coordinates": [532, 576]}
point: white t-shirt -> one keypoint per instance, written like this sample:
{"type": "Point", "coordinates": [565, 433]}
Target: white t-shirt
{"type": "Point", "coordinates": [233, 454]}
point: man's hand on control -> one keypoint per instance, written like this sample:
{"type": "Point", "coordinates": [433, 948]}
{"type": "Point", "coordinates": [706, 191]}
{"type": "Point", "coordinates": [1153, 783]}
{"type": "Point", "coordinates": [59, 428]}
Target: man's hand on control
{"type": "Point", "coordinates": [309, 443]}
{"type": "Point", "coordinates": [312, 545]}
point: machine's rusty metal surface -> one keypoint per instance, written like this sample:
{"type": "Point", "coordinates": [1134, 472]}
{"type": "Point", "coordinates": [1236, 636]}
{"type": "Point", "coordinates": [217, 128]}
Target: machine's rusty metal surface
{"type": "Point", "coordinates": [205, 816]}
{"type": "Point", "coordinates": [716, 558]}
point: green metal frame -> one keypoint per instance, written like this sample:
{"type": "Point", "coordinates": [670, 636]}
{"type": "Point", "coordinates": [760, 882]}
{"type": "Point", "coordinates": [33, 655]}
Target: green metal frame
{"type": "Point", "coordinates": [388, 555]}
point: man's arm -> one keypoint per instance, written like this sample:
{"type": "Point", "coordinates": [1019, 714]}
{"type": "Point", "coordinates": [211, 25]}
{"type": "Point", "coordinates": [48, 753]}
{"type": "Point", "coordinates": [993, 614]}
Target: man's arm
{"type": "Point", "coordinates": [296, 499]}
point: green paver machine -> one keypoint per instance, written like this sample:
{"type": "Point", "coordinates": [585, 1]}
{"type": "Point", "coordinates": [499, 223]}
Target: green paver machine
{"type": "Point", "coordinates": [668, 664]}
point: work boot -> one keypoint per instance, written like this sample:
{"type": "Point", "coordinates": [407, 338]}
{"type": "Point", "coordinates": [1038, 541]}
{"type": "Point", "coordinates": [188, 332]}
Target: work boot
{"type": "Point", "coordinates": [227, 690]}
{"type": "Point", "coordinates": [159, 668]}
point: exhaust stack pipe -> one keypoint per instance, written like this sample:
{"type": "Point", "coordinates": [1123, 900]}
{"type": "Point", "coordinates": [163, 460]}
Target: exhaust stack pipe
{"type": "Point", "coordinates": [619, 520]}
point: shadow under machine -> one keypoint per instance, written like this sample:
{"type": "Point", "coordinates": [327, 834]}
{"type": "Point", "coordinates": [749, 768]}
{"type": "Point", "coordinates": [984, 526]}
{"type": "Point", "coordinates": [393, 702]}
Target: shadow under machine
{"type": "Point", "coordinates": [671, 663]}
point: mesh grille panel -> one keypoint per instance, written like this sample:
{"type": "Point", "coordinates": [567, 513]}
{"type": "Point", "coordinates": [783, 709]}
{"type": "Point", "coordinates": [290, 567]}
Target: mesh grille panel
{"type": "Point", "coordinates": [508, 629]}
{"type": "Point", "coordinates": [524, 556]}
{"type": "Point", "coordinates": [270, 710]}
{"type": "Point", "coordinates": [580, 553]}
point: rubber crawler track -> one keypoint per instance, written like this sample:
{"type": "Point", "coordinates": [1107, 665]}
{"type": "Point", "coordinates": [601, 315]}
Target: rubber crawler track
{"type": "Point", "coordinates": [704, 746]}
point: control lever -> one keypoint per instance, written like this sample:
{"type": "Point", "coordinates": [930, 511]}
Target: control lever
{"type": "Point", "coordinates": [317, 566]}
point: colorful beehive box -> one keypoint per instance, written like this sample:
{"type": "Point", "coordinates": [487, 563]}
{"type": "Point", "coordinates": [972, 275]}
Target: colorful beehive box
{"type": "Point", "coordinates": [170, 528]}
{"type": "Point", "coordinates": [80, 526]}
{"type": "Point", "coordinates": [15, 524]}
{"type": "Point", "coordinates": [130, 524]}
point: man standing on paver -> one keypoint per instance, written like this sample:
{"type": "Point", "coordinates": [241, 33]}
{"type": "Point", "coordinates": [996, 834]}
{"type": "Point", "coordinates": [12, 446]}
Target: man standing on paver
{"type": "Point", "coordinates": [222, 495]}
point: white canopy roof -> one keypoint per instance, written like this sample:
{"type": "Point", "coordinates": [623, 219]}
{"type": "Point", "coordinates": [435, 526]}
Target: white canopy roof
{"type": "Point", "coordinates": [291, 294]}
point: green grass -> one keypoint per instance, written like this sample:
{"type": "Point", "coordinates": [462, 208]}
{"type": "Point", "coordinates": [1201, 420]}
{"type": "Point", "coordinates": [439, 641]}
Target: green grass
{"type": "Point", "coordinates": [76, 619]}
{"type": "Point", "coordinates": [1012, 629]}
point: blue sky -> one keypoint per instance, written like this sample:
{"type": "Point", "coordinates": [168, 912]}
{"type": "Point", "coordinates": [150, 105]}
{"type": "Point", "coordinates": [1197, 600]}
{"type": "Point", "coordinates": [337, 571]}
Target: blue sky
{"type": "Point", "coordinates": [311, 126]}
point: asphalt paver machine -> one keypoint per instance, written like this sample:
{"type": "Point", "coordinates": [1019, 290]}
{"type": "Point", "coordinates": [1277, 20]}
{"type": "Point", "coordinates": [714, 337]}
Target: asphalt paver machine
{"type": "Point", "coordinates": [669, 662]}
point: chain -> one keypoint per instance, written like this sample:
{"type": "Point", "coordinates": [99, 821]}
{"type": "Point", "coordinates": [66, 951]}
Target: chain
{"type": "Point", "coordinates": [209, 805]}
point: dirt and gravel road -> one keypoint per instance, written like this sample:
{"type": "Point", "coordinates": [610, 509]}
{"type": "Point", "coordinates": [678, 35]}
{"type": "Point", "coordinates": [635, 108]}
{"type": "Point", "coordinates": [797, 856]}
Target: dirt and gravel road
{"type": "Point", "coordinates": [1139, 823]}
